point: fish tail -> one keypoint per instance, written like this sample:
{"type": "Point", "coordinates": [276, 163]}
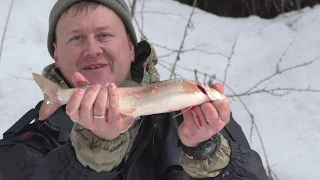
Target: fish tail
{"type": "Point", "coordinates": [50, 92]}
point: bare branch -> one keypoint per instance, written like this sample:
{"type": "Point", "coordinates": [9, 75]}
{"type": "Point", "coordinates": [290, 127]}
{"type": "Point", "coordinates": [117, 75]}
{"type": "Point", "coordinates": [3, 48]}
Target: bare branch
{"type": "Point", "coordinates": [169, 69]}
{"type": "Point", "coordinates": [133, 8]}
{"type": "Point", "coordinates": [17, 77]}
{"type": "Point", "coordinates": [143, 36]}
{"type": "Point", "coordinates": [196, 75]}
{"type": "Point", "coordinates": [278, 72]}
{"type": "Point", "coordinates": [166, 55]}
{"type": "Point", "coordinates": [194, 49]}
{"type": "Point", "coordinates": [275, 90]}
{"type": "Point", "coordinates": [142, 18]}
{"type": "Point", "coordinates": [203, 51]}
{"type": "Point", "coordinates": [5, 28]}
{"type": "Point", "coordinates": [229, 58]}
{"type": "Point", "coordinates": [285, 52]}
{"type": "Point", "coordinates": [184, 37]}
{"type": "Point", "coordinates": [161, 13]}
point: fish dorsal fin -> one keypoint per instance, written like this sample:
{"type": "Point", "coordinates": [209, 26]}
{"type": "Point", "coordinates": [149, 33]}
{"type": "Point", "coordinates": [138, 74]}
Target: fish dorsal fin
{"type": "Point", "coordinates": [189, 86]}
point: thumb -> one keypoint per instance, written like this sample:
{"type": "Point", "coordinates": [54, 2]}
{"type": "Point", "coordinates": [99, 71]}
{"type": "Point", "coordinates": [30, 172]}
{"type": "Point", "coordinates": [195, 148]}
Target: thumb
{"type": "Point", "coordinates": [79, 80]}
{"type": "Point", "coordinates": [219, 87]}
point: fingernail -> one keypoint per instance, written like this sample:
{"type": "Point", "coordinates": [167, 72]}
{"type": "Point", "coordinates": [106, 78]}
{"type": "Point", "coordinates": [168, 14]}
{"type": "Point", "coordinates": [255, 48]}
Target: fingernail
{"type": "Point", "coordinates": [82, 83]}
{"type": "Point", "coordinates": [107, 84]}
{"type": "Point", "coordinates": [217, 102]}
{"type": "Point", "coordinates": [112, 86]}
{"type": "Point", "coordinates": [81, 91]}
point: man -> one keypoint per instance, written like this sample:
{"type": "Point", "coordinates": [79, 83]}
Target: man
{"type": "Point", "coordinates": [93, 42]}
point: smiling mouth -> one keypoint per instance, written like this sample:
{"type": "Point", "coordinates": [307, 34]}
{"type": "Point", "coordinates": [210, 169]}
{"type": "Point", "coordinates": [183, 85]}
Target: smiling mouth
{"type": "Point", "coordinates": [95, 67]}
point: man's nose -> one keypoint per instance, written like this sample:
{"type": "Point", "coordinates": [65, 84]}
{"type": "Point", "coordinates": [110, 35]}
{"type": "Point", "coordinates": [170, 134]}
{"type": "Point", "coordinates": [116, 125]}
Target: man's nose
{"type": "Point", "coordinates": [93, 48]}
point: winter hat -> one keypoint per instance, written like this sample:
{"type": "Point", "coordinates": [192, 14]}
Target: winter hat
{"type": "Point", "coordinates": [118, 6]}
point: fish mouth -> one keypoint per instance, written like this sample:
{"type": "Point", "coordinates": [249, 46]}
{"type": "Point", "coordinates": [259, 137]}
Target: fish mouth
{"type": "Point", "coordinates": [202, 89]}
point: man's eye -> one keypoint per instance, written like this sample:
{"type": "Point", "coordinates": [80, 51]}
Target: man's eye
{"type": "Point", "coordinates": [76, 38]}
{"type": "Point", "coordinates": [103, 36]}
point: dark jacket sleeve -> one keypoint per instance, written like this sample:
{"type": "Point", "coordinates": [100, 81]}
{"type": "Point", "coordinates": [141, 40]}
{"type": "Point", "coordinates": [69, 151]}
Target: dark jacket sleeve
{"type": "Point", "coordinates": [31, 156]}
{"type": "Point", "coordinates": [245, 163]}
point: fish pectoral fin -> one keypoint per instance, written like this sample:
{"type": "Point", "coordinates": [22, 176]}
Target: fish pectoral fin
{"type": "Point", "coordinates": [128, 112]}
{"type": "Point", "coordinates": [182, 111]}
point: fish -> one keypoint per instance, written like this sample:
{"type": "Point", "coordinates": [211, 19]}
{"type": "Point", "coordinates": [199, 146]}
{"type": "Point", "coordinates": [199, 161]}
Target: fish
{"type": "Point", "coordinates": [134, 99]}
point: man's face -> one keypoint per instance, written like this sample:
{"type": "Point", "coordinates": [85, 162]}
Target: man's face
{"type": "Point", "coordinates": [94, 43]}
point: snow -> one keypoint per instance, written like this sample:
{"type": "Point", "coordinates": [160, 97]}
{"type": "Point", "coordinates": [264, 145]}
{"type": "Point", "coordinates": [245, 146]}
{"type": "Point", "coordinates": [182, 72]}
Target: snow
{"type": "Point", "coordinates": [252, 46]}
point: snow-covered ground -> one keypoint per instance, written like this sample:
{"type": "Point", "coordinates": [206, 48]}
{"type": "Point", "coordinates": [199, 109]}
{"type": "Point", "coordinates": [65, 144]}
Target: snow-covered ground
{"type": "Point", "coordinates": [254, 48]}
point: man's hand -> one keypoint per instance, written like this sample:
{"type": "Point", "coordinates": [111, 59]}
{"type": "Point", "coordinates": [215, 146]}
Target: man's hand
{"type": "Point", "coordinates": [89, 109]}
{"type": "Point", "coordinates": [204, 121]}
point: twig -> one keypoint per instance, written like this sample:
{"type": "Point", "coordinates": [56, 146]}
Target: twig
{"type": "Point", "coordinates": [169, 69]}
{"type": "Point", "coordinates": [229, 58]}
{"type": "Point", "coordinates": [133, 7]}
{"type": "Point", "coordinates": [17, 77]}
{"type": "Point", "coordinates": [272, 91]}
{"type": "Point", "coordinates": [5, 28]}
{"type": "Point", "coordinates": [143, 36]}
{"type": "Point", "coordinates": [275, 176]}
{"type": "Point", "coordinates": [196, 75]}
{"type": "Point", "coordinates": [269, 171]}
{"type": "Point", "coordinates": [280, 72]}
{"type": "Point", "coordinates": [142, 18]}
{"type": "Point", "coordinates": [184, 37]}
{"type": "Point", "coordinates": [161, 13]}
{"type": "Point", "coordinates": [166, 55]}
{"type": "Point", "coordinates": [285, 52]}
{"type": "Point", "coordinates": [194, 49]}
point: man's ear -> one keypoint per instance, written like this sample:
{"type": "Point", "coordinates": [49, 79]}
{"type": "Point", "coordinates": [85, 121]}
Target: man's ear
{"type": "Point", "coordinates": [55, 53]}
{"type": "Point", "coordinates": [131, 48]}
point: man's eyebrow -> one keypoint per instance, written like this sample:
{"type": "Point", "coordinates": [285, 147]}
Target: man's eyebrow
{"type": "Point", "coordinates": [77, 30]}
{"type": "Point", "coordinates": [99, 28]}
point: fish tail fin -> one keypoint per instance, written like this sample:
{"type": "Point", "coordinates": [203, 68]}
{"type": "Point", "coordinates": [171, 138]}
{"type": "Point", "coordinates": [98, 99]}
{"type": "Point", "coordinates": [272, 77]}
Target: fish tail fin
{"type": "Point", "coordinates": [50, 92]}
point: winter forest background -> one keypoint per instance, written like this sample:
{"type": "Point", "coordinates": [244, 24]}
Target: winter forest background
{"type": "Point", "coordinates": [265, 52]}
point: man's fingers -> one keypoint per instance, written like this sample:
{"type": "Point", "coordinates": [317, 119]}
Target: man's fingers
{"type": "Point", "coordinates": [72, 108]}
{"type": "Point", "coordinates": [219, 87]}
{"type": "Point", "coordinates": [113, 110]}
{"type": "Point", "coordinates": [223, 108]}
{"type": "Point", "coordinates": [99, 109]}
{"type": "Point", "coordinates": [198, 117]}
{"type": "Point", "coordinates": [86, 111]}
{"type": "Point", "coordinates": [211, 114]}
{"type": "Point", "coordinates": [189, 126]}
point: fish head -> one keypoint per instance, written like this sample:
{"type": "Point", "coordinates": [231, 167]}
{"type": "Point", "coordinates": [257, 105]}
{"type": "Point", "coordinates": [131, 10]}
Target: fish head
{"type": "Point", "coordinates": [196, 87]}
